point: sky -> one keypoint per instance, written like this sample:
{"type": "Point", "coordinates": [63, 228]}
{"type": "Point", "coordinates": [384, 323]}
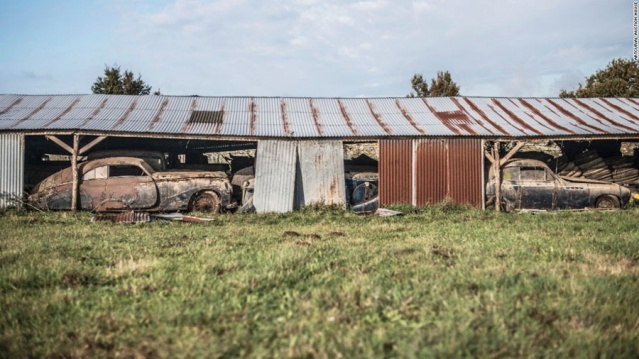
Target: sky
{"type": "Point", "coordinates": [311, 48]}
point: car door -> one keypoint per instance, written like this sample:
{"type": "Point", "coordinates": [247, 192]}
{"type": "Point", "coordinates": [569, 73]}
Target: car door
{"type": "Point", "coordinates": [129, 186]}
{"type": "Point", "coordinates": [92, 188]}
{"type": "Point", "coordinates": [536, 188]}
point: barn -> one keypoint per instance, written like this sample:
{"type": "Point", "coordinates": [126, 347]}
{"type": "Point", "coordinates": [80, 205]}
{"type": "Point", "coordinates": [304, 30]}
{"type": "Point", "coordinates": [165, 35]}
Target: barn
{"type": "Point", "coordinates": [428, 149]}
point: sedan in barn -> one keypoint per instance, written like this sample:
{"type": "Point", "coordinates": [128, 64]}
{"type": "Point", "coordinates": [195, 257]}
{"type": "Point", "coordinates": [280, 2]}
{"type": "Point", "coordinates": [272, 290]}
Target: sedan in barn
{"type": "Point", "coordinates": [530, 184]}
{"type": "Point", "coordinates": [128, 183]}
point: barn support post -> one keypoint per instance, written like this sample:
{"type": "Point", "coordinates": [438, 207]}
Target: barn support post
{"type": "Point", "coordinates": [74, 171]}
{"type": "Point", "coordinates": [497, 172]}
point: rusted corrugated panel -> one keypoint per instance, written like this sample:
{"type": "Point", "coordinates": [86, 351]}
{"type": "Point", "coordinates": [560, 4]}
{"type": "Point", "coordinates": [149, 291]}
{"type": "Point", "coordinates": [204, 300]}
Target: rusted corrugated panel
{"type": "Point", "coordinates": [432, 171]}
{"type": "Point", "coordinates": [395, 171]}
{"type": "Point", "coordinates": [321, 164]}
{"type": "Point", "coordinates": [275, 175]}
{"type": "Point", "coordinates": [281, 117]}
{"type": "Point", "coordinates": [11, 169]}
{"type": "Point", "coordinates": [466, 181]}
{"type": "Point", "coordinates": [448, 169]}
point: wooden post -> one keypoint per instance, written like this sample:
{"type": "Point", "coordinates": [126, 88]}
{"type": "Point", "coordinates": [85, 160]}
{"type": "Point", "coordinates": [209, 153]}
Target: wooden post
{"type": "Point", "coordinates": [497, 169]}
{"type": "Point", "coordinates": [74, 171]}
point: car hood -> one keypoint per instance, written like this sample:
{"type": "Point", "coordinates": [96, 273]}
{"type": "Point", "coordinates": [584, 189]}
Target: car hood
{"type": "Point", "coordinates": [176, 175]}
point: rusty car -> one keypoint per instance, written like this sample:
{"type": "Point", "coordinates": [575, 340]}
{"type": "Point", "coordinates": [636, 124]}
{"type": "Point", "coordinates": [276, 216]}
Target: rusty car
{"type": "Point", "coordinates": [130, 183]}
{"type": "Point", "coordinates": [531, 184]}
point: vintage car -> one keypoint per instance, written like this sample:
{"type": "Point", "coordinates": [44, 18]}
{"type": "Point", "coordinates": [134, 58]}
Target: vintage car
{"type": "Point", "coordinates": [129, 183]}
{"type": "Point", "coordinates": [530, 184]}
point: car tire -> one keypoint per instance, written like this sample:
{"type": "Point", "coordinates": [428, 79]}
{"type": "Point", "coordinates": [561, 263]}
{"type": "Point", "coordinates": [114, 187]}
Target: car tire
{"type": "Point", "coordinates": [607, 202]}
{"type": "Point", "coordinates": [205, 202]}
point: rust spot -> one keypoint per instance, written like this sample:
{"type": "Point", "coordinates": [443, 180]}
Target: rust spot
{"type": "Point", "coordinates": [14, 104]}
{"type": "Point", "coordinates": [627, 99]}
{"type": "Point", "coordinates": [483, 115]}
{"type": "Point", "coordinates": [315, 112]}
{"type": "Point", "coordinates": [95, 113]}
{"type": "Point", "coordinates": [187, 124]}
{"type": "Point", "coordinates": [378, 118]}
{"type": "Point", "coordinates": [572, 116]}
{"type": "Point", "coordinates": [453, 120]}
{"type": "Point", "coordinates": [252, 107]}
{"type": "Point", "coordinates": [601, 115]}
{"type": "Point", "coordinates": [158, 115]}
{"type": "Point", "coordinates": [346, 117]}
{"type": "Point", "coordinates": [218, 127]}
{"type": "Point", "coordinates": [287, 130]}
{"type": "Point", "coordinates": [32, 112]}
{"type": "Point", "coordinates": [461, 108]}
{"type": "Point", "coordinates": [546, 118]}
{"type": "Point", "coordinates": [126, 114]}
{"type": "Point", "coordinates": [408, 117]}
{"type": "Point", "coordinates": [515, 118]}
{"type": "Point", "coordinates": [67, 110]}
{"type": "Point", "coordinates": [619, 109]}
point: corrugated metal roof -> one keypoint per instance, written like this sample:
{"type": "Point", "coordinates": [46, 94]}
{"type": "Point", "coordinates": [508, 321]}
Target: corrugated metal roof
{"type": "Point", "coordinates": [268, 117]}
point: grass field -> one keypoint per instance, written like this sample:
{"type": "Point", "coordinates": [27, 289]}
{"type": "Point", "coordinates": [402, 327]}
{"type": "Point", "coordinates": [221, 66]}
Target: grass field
{"type": "Point", "coordinates": [446, 281]}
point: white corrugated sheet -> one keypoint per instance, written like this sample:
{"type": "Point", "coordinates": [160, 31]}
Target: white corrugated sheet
{"type": "Point", "coordinates": [11, 170]}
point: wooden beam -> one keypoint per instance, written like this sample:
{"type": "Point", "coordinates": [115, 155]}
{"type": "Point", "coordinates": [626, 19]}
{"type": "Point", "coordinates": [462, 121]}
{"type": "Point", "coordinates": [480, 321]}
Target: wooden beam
{"type": "Point", "coordinates": [60, 143]}
{"type": "Point", "coordinates": [490, 158]}
{"type": "Point", "coordinates": [89, 145]}
{"type": "Point", "coordinates": [497, 170]}
{"type": "Point", "coordinates": [512, 152]}
{"type": "Point", "coordinates": [74, 170]}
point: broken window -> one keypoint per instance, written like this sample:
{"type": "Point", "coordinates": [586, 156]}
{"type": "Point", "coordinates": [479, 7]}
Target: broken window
{"type": "Point", "coordinates": [96, 173]}
{"type": "Point", "coordinates": [214, 117]}
{"type": "Point", "coordinates": [125, 170]}
{"type": "Point", "coordinates": [532, 174]}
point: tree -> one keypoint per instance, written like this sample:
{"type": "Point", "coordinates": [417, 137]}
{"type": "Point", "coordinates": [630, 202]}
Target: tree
{"type": "Point", "coordinates": [442, 85]}
{"type": "Point", "coordinates": [116, 83]}
{"type": "Point", "coordinates": [618, 79]}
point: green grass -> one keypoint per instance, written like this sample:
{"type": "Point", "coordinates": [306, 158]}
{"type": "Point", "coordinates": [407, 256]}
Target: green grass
{"type": "Point", "coordinates": [445, 281]}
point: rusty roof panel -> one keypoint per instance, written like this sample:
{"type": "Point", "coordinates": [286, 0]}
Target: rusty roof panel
{"type": "Point", "coordinates": [395, 171]}
{"type": "Point", "coordinates": [272, 117]}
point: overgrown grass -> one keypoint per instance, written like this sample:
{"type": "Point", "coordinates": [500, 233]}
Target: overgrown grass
{"type": "Point", "coordinates": [445, 281]}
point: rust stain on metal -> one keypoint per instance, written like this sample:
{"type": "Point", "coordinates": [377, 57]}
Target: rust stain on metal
{"type": "Point", "coordinates": [347, 118]}
{"type": "Point", "coordinates": [461, 108]}
{"type": "Point", "coordinates": [218, 126]}
{"type": "Point", "coordinates": [187, 124]}
{"type": "Point", "coordinates": [287, 130]}
{"type": "Point", "coordinates": [453, 120]}
{"type": "Point", "coordinates": [14, 104]}
{"type": "Point", "coordinates": [572, 116]}
{"type": "Point", "coordinates": [378, 118]}
{"type": "Point", "coordinates": [486, 117]}
{"type": "Point", "coordinates": [516, 118]}
{"type": "Point", "coordinates": [67, 110]}
{"type": "Point", "coordinates": [408, 117]}
{"type": "Point", "coordinates": [315, 112]}
{"type": "Point", "coordinates": [126, 217]}
{"type": "Point", "coordinates": [601, 115]}
{"type": "Point", "coordinates": [27, 117]}
{"type": "Point", "coordinates": [618, 108]}
{"type": "Point", "coordinates": [126, 114]}
{"type": "Point", "coordinates": [252, 108]}
{"type": "Point", "coordinates": [395, 171]}
{"type": "Point", "coordinates": [546, 118]}
{"type": "Point", "coordinates": [633, 101]}
{"type": "Point", "coordinates": [158, 115]}
{"type": "Point", "coordinates": [95, 113]}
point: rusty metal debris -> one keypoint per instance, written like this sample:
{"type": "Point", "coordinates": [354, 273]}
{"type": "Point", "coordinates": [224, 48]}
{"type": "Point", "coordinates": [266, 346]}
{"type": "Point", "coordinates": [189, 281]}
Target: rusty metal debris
{"type": "Point", "coordinates": [126, 217]}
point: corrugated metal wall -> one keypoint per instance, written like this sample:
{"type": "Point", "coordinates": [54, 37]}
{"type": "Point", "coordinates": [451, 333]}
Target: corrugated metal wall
{"type": "Point", "coordinates": [275, 176]}
{"type": "Point", "coordinates": [320, 173]}
{"type": "Point", "coordinates": [426, 171]}
{"type": "Point", "coordinates": [395, 171]}
{"type": "Point", "coordinates": [292, 174]}
{"type": "Point", "coordinates": [11, 169]}
{"type": "Point", "coordinates": [432, 176]}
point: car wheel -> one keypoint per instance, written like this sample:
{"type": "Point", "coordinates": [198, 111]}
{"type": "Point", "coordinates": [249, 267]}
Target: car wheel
{"type": "Point", "coordinates": [205, 202]}
{"type": "Point", "coordinates": [607, 202]}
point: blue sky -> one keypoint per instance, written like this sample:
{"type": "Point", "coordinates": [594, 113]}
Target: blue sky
{"type": "Point", "coordinates": [323, 48]}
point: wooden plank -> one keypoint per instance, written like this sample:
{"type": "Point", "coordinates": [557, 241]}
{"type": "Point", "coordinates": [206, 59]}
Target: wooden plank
{"type": "Point", "coordinates": [497, 169]}
{"type": "Point", "coordinates": [89, 145]}
{"type": "Point", "coordinates": [60, 143]}
{"type": "Point", "coordinates": [74, 171]}
{"type": "Point", "coordinates": [512, 152]}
